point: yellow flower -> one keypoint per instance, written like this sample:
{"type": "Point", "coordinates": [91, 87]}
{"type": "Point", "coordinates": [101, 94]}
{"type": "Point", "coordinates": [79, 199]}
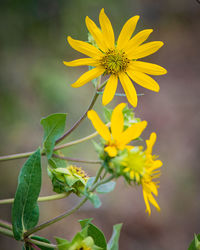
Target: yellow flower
{"type": "Point", "coordinates": [119, 60]}
{"type": "Point", "coordinates": [117, 139]}
{"type": "Point", "coordinates": [143, 169]}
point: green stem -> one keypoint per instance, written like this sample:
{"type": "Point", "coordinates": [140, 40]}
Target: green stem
{"type": "Point", "coordinates": [5, 225]}
{"type": "Point", "coordinates": [75, 160]}
{"type": "Point", "coordinates": [64, 215]}
{"type": "Point", "coordinates": [40, 199]}
{"type": "Point", "coordinates": [6, 232]}
{"type": "Point", "coordinates": [76, 124]}
{"type": "Point", "coordinates": [58, 218]}
{"type": "Point", "coordinates": [86, 138]}
{"type": "Point", "coordinates": [40, 243]}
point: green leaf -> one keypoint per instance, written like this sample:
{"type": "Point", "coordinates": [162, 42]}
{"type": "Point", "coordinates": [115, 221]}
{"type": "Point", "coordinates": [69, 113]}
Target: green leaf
{"type": "Point", "coordinates": [54, 126]}
{"type": "Point", "coordinates": [94, 199]}
{"type": "Point", "coordinates": [113, 243]}
{"type": "Point", "coordinates": [35, 237]}
{"type": "Point", "coordinates": [62, 244]}
{"type": "Point", "coordinates": [84, 223]}
{"type": "Point", "coordinates": [195, 244]}
{"type": "Point", "coordinates": [97, 235]}
{"type": "Point", "coordinates": [90, 182]}
{"type": "Point", "coordinates": [107, 114]}
{"type": "Point", "coordinates": [94, 232]}
{"type": "Point", "coordinates": [106, 188]}
{"type": "Point", "coordinates": [25, 212]}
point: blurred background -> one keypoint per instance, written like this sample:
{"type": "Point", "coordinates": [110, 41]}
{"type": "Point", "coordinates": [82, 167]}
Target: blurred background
{"type": "Point", "coordinates": [34, 83]}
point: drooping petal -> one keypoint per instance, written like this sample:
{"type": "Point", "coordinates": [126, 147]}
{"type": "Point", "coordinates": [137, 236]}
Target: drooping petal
{"type": "Point", "coordinates": [84, 48]}
{"type": "Point", "coordinates": [129, 89]}
{"type": "Point", "coordinates": [126, 32]}
{"type": "Point", "coordinates": [148, 68]}
{"type": "Point", "coordinates": [81, 62]}
{"type": "Point", "coordinates": [145, 50]}
{"type": "Point", "coordinates": [88, 76]}
{"type": "Point", "coordinates": [132, 132]}
{"type": "Point", "coordinates": [138, 39]}
{"type": "Point", "coordinates": [96, 33]}
{"type": "Point", "coordinates": [111, 150]}
{"type": "Point", "coordinates": [143, 80]}
{"type": "Point", "coordinates": [107, 30]}
{"type": "Point", "coordinates": [153, 201]}
{"type": "Point", "coordinates": [117, 121]}
{"type": "Point", "coordinates": [148, 209]}
{"type": "Point", "coordinates": [150, 143]}
{"type": "Point", "coordinates": [100, 127]}
{"type": "Point", "coordinates": [110, 89]}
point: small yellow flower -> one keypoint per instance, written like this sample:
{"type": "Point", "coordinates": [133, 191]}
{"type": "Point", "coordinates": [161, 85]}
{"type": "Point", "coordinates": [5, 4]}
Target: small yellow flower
{"type": "Point", "coordinates": [142, 168]}
{"type": "Point", "coordinates": [117, 139]}
{"type": "Point", "coordinates": [118, 60]}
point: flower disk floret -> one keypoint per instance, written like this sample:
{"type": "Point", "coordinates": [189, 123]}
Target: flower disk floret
{"type": "Point", "coordinates": [118, 60]}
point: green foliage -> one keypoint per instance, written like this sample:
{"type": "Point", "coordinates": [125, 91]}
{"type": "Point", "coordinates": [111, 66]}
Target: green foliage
{"type": "Point", "coordinates": [195, 244]}
{"type": "Point", "coordinates": [94, 199]}
{"type": "Point", "coordinates": [54, 126]}
{"type": "Point", "coordinates": [28, 246]}
{"type": "Point", "coordinates": [25, 211]}
{"type": "Point", "coordinates": [95, 233]}
{"type": "Point", "coordinates": [106, 188]}
{"type": "Point", "coordinates": [113, 243]}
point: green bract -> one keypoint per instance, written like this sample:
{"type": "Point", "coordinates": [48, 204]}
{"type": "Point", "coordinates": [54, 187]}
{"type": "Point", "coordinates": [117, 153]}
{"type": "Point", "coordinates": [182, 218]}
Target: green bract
{"type": "Point", "coordinates": [68, 179]}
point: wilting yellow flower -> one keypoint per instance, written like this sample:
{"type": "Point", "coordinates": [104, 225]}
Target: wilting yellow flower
{"type": "Point", "coordinates": [117, 139]}
{"type": "Point", "coordinates": [142, 168]}
{"type": "Point", "coordinates": [119, 60]}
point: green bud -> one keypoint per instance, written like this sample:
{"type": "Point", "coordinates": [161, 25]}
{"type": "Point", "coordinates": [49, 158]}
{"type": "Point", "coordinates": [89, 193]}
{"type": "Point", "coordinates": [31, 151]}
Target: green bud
{"type": "Point", "coordinates": [68, 179]}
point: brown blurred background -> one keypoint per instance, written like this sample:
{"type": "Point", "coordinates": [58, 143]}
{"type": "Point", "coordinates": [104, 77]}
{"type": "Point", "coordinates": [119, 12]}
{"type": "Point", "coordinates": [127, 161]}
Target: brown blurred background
{"type": "Point", "coordinates": [34, 83]}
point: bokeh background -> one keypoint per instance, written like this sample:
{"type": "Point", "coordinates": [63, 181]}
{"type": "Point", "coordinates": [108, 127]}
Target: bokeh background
{"type": "Point", "coordinates": [34, 83]}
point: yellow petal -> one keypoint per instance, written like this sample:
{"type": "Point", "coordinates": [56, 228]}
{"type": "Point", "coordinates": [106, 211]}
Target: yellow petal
{"type": "Point", "coordinates": [129, 89]}
{"type": "Point", "coordinates": [148, 68]}
{"type": "Point", "coordinates": [148, 209]}
{"type": "Point", "coordinates": [145, 50]}
{"type": "Point", "coordinates": [107, 30]}
{"type": "Point", "coordinates": [81, 62]}
{"type": "Point", "coordinates": [153, 201]}
{"type": "Point", "coordinates": [132, 174]}
{"type": "Point", "coordinates": [100, 127]}
{"type": "Point", "coordinates": [96, 33]}
{"type": "Point", "coordinates": [150, 143]}
{"type": "Point", "coordinates": [110, 89]}
{"type": "Point", "coordinates": [143, 80]}
{"type": "Point", "coordinates": [126, 32]}
{"type": "Point", "coordinates": [117, 121]}
{"type": "Point", "coordinates": [138, 39]}
{"type": "Point", "coordinates": [132, 132]}
{"type": "Point", "coordinates": [88, 76]}
{"type": "Point", "coordinates": [111, 150]}
{"type": "Point", "coordinates": [84, 48]}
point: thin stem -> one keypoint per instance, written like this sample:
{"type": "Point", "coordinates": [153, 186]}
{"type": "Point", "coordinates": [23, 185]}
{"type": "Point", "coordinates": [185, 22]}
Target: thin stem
{"type": "Point", "coordinates": [76, 141]}
{"type": "Point", "coordinates": [117, 94]}
{"type": "Point", "coordinates": [25, 155]}
{"type": "Point", "coordinates": [40, 243]}
{"type": "Point", "coordinates": [58, 218]}
{"type": "Point", "coordinates": [40, 199]}
{"type": "Point", "coordinates": [75, 160]}
{"type": "Point", "coordinates": [62, 216]}
{"type": "Point", "coordinates": [76, 124]}
{"type": "Point", "coordinates": [6, 232]}
{"type": "Point", "coordinates": [5, 225]}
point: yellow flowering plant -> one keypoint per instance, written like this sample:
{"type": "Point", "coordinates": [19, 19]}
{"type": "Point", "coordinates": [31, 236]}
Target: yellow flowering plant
{"type": "Point", "coordinates": [120, 151]}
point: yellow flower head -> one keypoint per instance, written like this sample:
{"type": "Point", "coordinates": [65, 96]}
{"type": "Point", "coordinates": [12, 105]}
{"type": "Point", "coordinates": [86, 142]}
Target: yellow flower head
{"type": "Point", "coordinates": [118, 138]}
{"type": "Point", "coordinates": [117, 59]}
{"type": "Point", "coordinates": [142, 167]}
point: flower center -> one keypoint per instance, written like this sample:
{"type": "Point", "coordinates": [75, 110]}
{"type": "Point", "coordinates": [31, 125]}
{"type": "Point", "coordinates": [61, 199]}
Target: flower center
{"type": "Point", "coordinates": [114, 62]}
{"type": "Point", "coordinates": [134, 164]}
